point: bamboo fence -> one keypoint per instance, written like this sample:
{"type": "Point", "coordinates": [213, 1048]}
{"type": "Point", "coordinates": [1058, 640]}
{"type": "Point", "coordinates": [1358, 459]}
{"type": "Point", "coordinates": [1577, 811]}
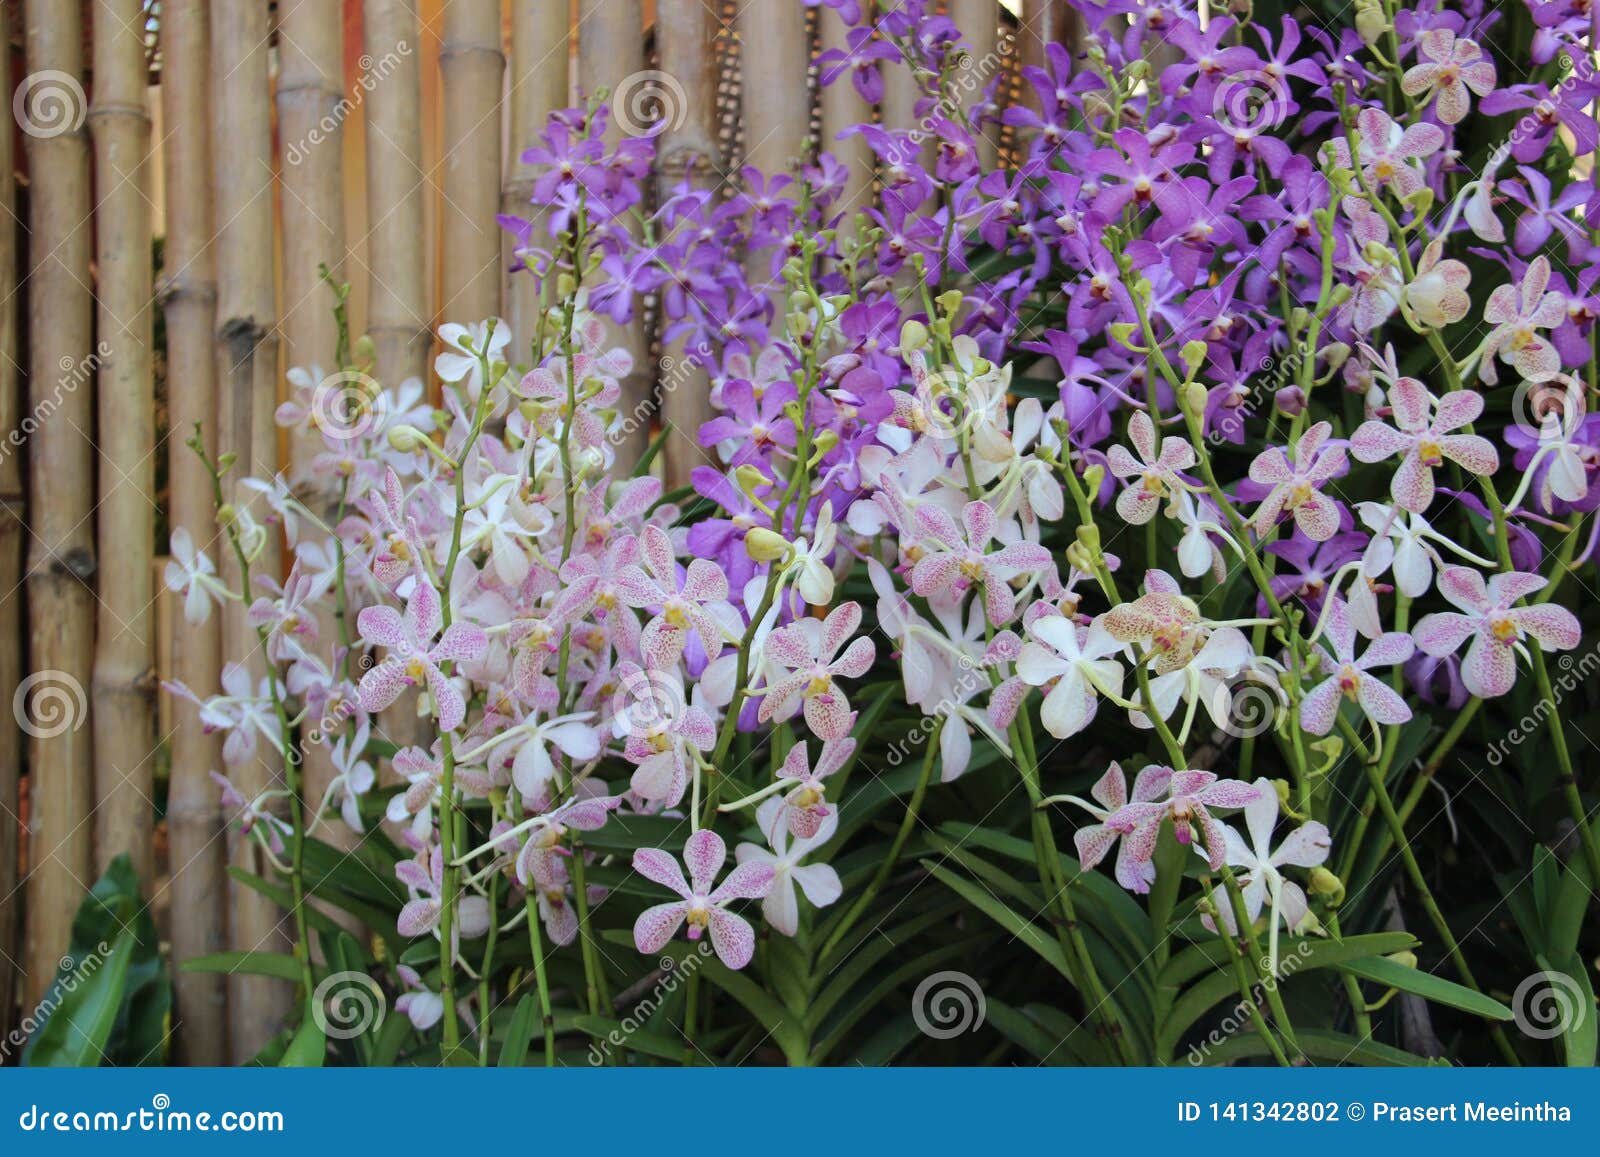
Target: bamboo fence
{"type": "Point", "coordinates": [196, 163]}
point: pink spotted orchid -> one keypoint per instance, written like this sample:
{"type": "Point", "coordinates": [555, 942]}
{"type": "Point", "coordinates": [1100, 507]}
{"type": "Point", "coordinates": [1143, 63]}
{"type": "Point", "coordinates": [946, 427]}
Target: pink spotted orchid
{"type": "Point", "coordinates": [702, 906]}
{"type": "Point", "coordinates": [1489, 616]}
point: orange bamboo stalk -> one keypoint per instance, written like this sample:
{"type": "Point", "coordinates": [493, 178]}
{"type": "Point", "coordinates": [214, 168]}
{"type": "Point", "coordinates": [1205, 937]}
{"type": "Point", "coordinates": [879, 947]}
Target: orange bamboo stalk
{"type": "Point", "coordinates": [611, 59]}
{"type": "Point", "coordinates": [12, 535]}
{"type": "Point", "coordinates": [685, 31]}
{"type": "Point", "coordinates": [540, 49]}
{"type": "Point", "coordinates": [124, 684]}
{"type": "Point", "coordinates": [61, 560]}
{"type": "Point", "coordinates": [472, 61]}
{"type": "Point", "coordinates": [247, 367]}
{"type": "Point", "coordinates": [188, 292]}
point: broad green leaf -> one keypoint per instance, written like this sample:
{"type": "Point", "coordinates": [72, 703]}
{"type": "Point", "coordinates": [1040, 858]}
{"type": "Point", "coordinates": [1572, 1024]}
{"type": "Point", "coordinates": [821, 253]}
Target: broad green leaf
{"type": "Point", "coordinates": [278, 965]}
{"type": "Point", "coordinates": [1426, 985]}
{"type": "Point", "coordinates": [524, 1023]}
{"type": "Point", "coordinates": [309, 1046]}
{"type": "Point", "coordinates": [638, 1039]}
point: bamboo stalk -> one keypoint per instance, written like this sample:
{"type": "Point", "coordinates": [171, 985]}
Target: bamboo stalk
{"type": "Point", "coordinates": [61, 560]}
{"type": "Point", "coordinates": [685, 33]}
{"type": "Point", "coordinates": [188, 293]}
{"type": "Point", "coordinates": [540, 49]}
{"type": "Point", "coordinates": [397, 301]}
{"type": "Point", "coordinates": [12, 534]}
{"type": "Point", "coordinates": [611, 58]}
{"type": "Point", "coordinates": [397, 298]}
{"type": "Point", "coordinates": [310, 90]}
{"type": "Point", "coordinates": [472, 63]}
{"type": "Point", "coordinates": [124, 684]}
{"type": "Point", "coordinates": [842, 106]}
{"type": "Point", "coordinates": [979, 21]}
{"type": "Point", "coordinates": [773, 88]}
{"type": "Point", "coordinates": [1046, 22]}
{"type": "Point", "coordinates": [247, 368]}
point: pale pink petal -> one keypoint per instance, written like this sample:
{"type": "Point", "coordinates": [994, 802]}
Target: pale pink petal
{"type": "Point", "coordinates": [655, 926]}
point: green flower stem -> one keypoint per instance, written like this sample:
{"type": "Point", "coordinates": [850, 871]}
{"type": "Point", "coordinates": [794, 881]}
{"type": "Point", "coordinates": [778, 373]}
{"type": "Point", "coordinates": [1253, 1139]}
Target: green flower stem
{"type": "Point", "coordinates": [1441, 926]}
{"type": "Point", "coordinates": [547, 1020]}
{"type": "Point", "coordinates": [886, 868]}
{"type": "Point", "coordinates": [1262, 966]}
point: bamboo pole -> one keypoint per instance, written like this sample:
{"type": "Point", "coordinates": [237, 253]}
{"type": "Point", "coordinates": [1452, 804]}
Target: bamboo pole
{"type": "Point", "coordinates": [310, 90]}
{"type": "Point", "coordinates": [611, 58]}
{"type": "Point", "coordinates": [685, 32]}
{"type": "Point", "coordinates": [773, 88]}
{"type": "Point", "coordinates": [12, 535]}
{"type": "Point", "coordinates": [397, 299]}
{"type": "Point", "coordinates": [540, 49]}
{"type": "Point", "coordinates": [842, 107]}
{"type": "Point", "coordinates": [188, 292]}
{"type": "Point", "coordinates": [1045, 22]}
{"type": "Point", "coordinates": [247, 368]}
{"type": "Point", "coordinates": [124, 683]}
{"type": "Point", "coordinates": [979, 21]}
{"type": "Point", "coordinates": [61, 563]}
{"type": "Point", "coordinates": [472, 61]}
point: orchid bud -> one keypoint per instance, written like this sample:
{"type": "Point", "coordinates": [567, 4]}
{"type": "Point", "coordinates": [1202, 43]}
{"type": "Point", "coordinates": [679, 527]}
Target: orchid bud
{"type": "Point", "coordinates": [950, 301]}
{"type": "Point", "coordinates": [1404, 959]}
{"type": "Point", "coordinates": [1193, 355]}
{"type": "Point", "coordinates": [1089, 536]}
{"type": "Point", "coordinates": [1371, 23]}
{"type": "Point", "coordinates": [1325, 883]}
{"type": "Point", "coordinates": [1290, 400]}
{"type": "Point", "coordinates": [1079, 559]}
{"type": "Point", "coordinates": [765, 545]}
{"type": "Point", "coordinates": [750, 479]}
{"type": "Point", "coordinates": [365, 351]}
{"type": "Point", "coordinates": [1335, 354]}
{"type": "Point", "coordinates": [913, 335]}
{"type": "Point", "coordinates": [1122, 331]}
{"type": "Point", "coordinates": [1195, 396]}
{"type": "Point", "coordinates": [405, 438]}
{"type": "Point", "coordinates": [1094, 478]}
{"type": "Point", "coordinates": [824, 443]}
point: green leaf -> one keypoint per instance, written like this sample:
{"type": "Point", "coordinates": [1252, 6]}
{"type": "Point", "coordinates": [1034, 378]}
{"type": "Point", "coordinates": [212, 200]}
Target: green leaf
{"type": "Point", "coordinates": [278, 965]}
{"type": "Point", "coordinates": [1025, 930]}
{"type": "Point", "coordinates": [309, 1046]}
{"type": "Point", "coordinates": [638, 1039]}
{"type": "Point", "coordinates": [1426, 985]}
{"type": "Point", "coordinates": [1317, 1043]}
{"type": "Point", "coordinates": [524, 1022]}
{"type": "Point", "coordinates": [1294, 957]}
{"type": "Point", "coordinates": [112, 914]}
{"type": "Point", "coordinates": [1577, 1020]}
{"type": "Point", "coordinates": [77, 1031]}
{"type": "Point", "coordinates": [1027, 1034]}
